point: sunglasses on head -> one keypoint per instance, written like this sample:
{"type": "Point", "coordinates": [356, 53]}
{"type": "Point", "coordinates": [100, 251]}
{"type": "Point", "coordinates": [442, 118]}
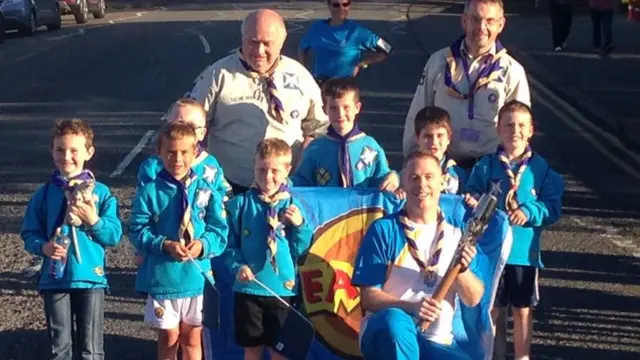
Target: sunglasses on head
{"type": "Point", "coordinates": [344, 4]}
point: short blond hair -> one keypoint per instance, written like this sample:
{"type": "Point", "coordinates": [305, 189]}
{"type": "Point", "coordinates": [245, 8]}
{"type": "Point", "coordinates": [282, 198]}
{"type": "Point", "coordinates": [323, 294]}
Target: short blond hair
{"type": "Point", "coordinates": [514, 106]}
{"type": "Point", "coordinates": [177, 130]}
{"type": "Point", "coordinates": [268, 148]}
{"type": "Point", "coordinates": [186, 102]}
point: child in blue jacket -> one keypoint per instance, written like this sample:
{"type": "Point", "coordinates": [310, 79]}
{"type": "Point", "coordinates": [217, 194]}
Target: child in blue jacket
{"type": "Point", "coordinates": [204, 165]}
{"type": "Point", "coordinates": [177, 219]}
{"type": "Point", "coordinates": [72, 234]}
{"type": "Point", "coordinates": [531, 194]}
{"type": "Point", "coordinates": [346, 156]}
{"type": "Point", "coordinates": [267, 232]}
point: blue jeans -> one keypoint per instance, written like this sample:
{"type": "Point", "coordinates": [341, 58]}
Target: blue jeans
{"type": "Point", "coordinates": [392, 334]}
{"type": "Point", "coordinates": [87, 307]}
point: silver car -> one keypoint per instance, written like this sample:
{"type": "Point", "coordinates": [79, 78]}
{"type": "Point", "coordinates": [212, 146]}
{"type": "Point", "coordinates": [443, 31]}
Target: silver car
{"type": "Point", "coordinates": [27, 16]}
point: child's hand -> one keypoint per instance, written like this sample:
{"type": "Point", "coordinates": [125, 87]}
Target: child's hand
{"type": "Point", "coordinates": [517, 217]}
{"type": "Point", "coordinates": [195, 248]}
{"type": "Point", "coordinates": [470, 200]}
{"type": "Point", "coordinates": [391, 182]}
{"type": "Point", "coordinates": [53, 250]}
{"type": "Point", "coordinates": [245, 274]}
{"type": "Point", "coordinates": [88, 213]}
{"type": "Point", "coordinates": [175, 249]}
{"type": "Point", "coordinates": [400, 194]}
{"type": "Point", "coordinates": [293, 215]}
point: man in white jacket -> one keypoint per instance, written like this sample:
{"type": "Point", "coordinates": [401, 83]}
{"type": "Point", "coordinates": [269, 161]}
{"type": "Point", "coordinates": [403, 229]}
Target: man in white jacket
{"type": "Point", "coordinates": [471, 79]}
{"type": "Point", "coordinates": [257, 93]}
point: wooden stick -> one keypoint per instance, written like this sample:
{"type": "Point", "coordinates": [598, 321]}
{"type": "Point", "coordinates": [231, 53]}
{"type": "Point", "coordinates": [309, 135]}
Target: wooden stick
{"type": "Point", "coordinates": [443, 289]}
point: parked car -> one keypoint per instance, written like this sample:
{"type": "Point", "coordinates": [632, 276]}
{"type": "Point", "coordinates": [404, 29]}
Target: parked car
{"type": "Point", "coordinates": [81, 9]}
{"type": "Point", "coordinates": [28, 15]}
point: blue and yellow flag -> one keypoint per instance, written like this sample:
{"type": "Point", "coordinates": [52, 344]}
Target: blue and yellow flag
{"type": "Point", "coordinates": [340, 218]}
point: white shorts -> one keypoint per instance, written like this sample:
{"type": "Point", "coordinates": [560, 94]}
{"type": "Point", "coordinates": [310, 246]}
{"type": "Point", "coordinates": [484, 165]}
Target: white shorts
{"type": "Point", "coordinates": [167, 314]}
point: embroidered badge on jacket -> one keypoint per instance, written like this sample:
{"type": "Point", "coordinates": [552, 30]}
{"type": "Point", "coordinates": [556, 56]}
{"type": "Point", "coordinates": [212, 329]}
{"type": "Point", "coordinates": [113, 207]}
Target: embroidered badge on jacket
{"type": "Point", "coordinates": [367, 157]}
{"type": "Point", "coordinates": [290, 81]}
{"type": "Point", "coordinates": [209, 173]}
{"type": "Point", "coordinates": [322, 176]}
{"type": "Point", "coordinates": [202, 197]}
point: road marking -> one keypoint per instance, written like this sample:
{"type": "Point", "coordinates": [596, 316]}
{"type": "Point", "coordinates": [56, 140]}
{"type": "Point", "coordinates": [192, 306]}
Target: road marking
{"type": "Point", "coordinates": [583, 121]}
{"type": "Point", "coordinates": [612, 235]}
{"type": "Point", "coordinates": [399, 23]}
{"type": "Point", "coordinates": [138, 14]}
{"type": "Point", "coordinates": [205, 44]}
{"type": "Point", "coordinates": [133, 153]}
{"type": "Point", "coordinates": [603, 149]}
{"type": "Point", "coordinates": [79, 32]}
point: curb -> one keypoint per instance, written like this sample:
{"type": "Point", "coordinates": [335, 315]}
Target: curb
{"type": "Point", "coordinates": [559, 85]}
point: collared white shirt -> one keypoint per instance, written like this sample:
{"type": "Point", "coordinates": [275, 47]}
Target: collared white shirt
{"type": "Point", "coordinates": [238, 114]}
{"type": "Point", "coordinates": [488, 100]}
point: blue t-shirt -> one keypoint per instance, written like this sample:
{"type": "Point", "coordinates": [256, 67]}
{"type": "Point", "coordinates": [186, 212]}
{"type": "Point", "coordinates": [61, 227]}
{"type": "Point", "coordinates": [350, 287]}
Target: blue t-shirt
{"type": "Point", "coordinates": [337, 49]}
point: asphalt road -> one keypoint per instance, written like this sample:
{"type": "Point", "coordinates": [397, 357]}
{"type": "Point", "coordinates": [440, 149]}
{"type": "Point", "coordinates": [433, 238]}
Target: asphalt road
{"type": "Point", "coordinates": [122, 72]}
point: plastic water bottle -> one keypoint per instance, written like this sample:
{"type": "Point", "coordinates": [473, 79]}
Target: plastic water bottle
{"type": "Point", "coordinates": [58, 266]}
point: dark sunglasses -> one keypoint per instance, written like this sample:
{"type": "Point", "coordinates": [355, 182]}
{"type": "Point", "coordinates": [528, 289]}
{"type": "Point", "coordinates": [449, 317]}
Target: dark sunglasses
{"type": "Point", "coordinates": [344, 4]}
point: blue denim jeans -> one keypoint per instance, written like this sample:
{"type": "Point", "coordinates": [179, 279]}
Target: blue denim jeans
{"type": "Point", "coordinates": [86, 306]}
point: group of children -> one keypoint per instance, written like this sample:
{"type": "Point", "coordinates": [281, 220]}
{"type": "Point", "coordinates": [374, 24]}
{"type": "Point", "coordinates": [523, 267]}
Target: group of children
{"type": "Point", "coordinates": [183, 216]}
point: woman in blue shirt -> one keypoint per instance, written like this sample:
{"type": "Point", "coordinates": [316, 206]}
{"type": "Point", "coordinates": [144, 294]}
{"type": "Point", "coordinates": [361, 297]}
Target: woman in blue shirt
{"type": "Point", "coordinates": [338, 45]}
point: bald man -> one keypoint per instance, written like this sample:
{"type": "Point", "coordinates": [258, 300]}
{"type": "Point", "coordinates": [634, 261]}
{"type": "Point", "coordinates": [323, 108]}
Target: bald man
{"type": "Point", "coordinates": [258, 93]}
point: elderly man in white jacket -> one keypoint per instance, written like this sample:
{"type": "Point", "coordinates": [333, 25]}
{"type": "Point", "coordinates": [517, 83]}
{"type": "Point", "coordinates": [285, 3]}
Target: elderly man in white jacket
{"type": "Point", "coordinates": [257, 93]}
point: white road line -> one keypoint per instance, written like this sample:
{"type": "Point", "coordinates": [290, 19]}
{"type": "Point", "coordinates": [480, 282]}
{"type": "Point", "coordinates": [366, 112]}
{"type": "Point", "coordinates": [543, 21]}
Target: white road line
{"type": "Point", "coordinates": [79, 32]}
{"type": "Point", "coordinates": [583, 121]}
{"type": "Point", "coordinates": [138, 14]}
{"type": "Point", "coordinates": [603, 149]}
{"type": "Point", "coordinates": [388, 95]}
{"type": "Point", "coordinates": [132, 154]}
{"type": "Point", "coordinates": [205, 44]}
{"type": "Point", "coordinates": [612, 235]}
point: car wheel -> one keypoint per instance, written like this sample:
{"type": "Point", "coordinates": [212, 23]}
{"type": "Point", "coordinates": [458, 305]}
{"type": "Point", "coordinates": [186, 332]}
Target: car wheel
{"type": "Point", "coordinates": [102, 10]}
{"type": "Point", "coordinates": [57, 21]}
{"type": "Point", "coordinates": [82, 13]}
{"type": "Point", "coordinates": [30, 28]}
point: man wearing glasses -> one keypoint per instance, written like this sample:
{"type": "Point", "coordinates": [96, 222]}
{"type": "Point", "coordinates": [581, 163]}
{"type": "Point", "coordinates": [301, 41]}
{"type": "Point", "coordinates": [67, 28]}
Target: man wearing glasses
{"type": "Point", "coordinates": [338, 45]}
{"type": "Point", "coordinates": [471, 79]}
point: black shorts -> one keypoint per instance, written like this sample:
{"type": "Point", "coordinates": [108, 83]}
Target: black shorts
{"type": "Point", "coordinates": [518, 287]}
{"type": "Point", "coordinates": [258, 319]}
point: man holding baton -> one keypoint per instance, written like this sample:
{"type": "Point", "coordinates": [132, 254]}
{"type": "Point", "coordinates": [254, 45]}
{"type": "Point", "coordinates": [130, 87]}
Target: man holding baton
{"type": "Point", "coordinates": [401, 261]}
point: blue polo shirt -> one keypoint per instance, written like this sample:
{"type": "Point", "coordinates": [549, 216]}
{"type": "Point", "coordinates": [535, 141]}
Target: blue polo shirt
{"type": "Point", "coordinates": [337, 50]}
